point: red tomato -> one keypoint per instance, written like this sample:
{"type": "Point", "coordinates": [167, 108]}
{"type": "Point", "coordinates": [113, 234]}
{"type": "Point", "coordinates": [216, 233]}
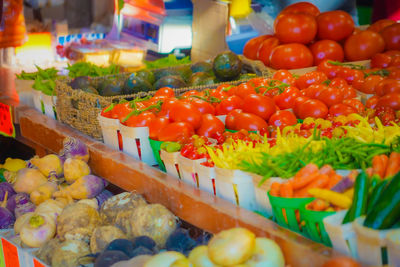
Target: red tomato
{"type": "Point", "coordinates": [211, 126]}
{"type": "Point", "coordinates": [351, 76]}
{"type": "Point", "coordinates": [372, 101]}
{"type": "Point", "coordinates": [244, 89]}
{"type": "Point", "coordinates": [387, 86]}
{"type": "Point", "coordinates": [265, 49]}
{"type": "Point", "coordinates": [203, 106]}
{"type": "Point", "coordinates": [229, 104]}
{"type": "Point", "coordinates": [310, 78]}
{"type": "Point", "coordinates": [341, 262]}
{"type": "Point", "coordinates": [108, 113]}
{"type": "Point", "coordinates": [295, 28]}
{"type": "Point", "coordinates": [349, 92]}
{"type": "Point", "coordinates": [370, 83]}
{"type": "Point", "coordinates": [334, 25]}
{"type": "Point", "coordinates": [176, 132]}
{"type": "Point", "coordinates": [302, 7]}
{"type": "Point", "coordinates": [363, 45]}
{"type": "Point", "coordinates": [165, 91]}
{"type": "Point", "coordinates": [297, 103]}
{"type": "Point", "coordinates": [390, 100]}
{"type": "Point", "coordinates": [380, 60]}
{"type": "Point", "coordinates": [167, 105]}
{"type": "Point", "coordinates": [192, 92]}
{"type": "Point", "coordinates": [314, 90]}
{"type": "Point", "coordinates": [379, 25]}
{"type": "Point", "coordinates": [249, 122]}
{"type": "Point", "coordinates": [291, 56]}
{"type": "Point", "coordinates": [120, 111]}
{"type": "Point", "coordinates": [251, 47]}
{"type": "Point", "coordinates": [262, 106]}
{"type": "Point", "coordinates": [312, 108]}
{"type": "Point", "coordinates": [230, 120]}
{"type": "Point", "coordinates": [141, 120]}
{"type": "Point", "coordinates": [185, 112]}
{"type": "Point", "coordinates": [326, 49]}
{"type": "Point", "coordinates": [394, 73]}
{"type": "Point", "coordinates": [284, 76]}
{"type": "Point", "coordinates": [331, 96]}
{"type": "Point", "coordinates": [329, 69]}
{"type": "Point", "coordinates": [287, 99]}
{"type": "Point", "coordinates": [341, 109]}
{"type": "Point", "coordinates": [282, 118]}
{"type": "Point", "coordinates": [391, 35]}
{"type": "Point", "coordinates": [356, 104]}
{"type": "Point", "coordinates": [219, 93]}
{"type": "Point", "coordinates": [338, 83]}
{"type": "Point", "coordinates": [156, 125]}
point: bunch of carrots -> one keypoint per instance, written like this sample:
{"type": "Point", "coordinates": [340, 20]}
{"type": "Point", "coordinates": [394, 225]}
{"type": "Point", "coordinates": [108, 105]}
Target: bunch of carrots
{"type": "Point", "coordinates": [384, 166]}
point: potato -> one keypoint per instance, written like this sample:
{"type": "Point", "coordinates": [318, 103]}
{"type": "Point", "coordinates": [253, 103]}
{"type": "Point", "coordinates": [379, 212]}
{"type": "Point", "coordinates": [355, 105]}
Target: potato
{"type": "Point", "coordinates": [45, 253]}
{"type": "Point", "coordinates": [70, 253]}
{"type": "Point", "coordinates": [154, 221]}
{"type": "Point", "coordinates": [77, 221]}
{"type": "Point", "coordinates": [102, 236]}
{"type": "Point", "coordinates": [123, 202]}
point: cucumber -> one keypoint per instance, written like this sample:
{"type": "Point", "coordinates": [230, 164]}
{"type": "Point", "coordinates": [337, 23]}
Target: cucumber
{"type": "Point", "coordinates": [360, 199]}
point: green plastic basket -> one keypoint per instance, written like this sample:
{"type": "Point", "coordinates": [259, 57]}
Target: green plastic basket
{"type": "Point", "coordinates": [155, 146]}
{"type": "Point", "coordinates": [313, 225]}
{"type": "Point", "coordinates": [281, 205]}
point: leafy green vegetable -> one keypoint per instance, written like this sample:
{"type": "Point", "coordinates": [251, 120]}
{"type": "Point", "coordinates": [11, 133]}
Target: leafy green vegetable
{"type": "Point", "coordinates": [91, 70]}
{"type": "Point", "coordinates": [168, 61]}
{"type": "Point", "coordinates": [43, 74]}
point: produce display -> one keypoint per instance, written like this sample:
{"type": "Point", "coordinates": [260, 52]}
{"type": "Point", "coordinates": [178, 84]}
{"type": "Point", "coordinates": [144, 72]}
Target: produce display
{"type": "Point", "coordinates": [304, 37]}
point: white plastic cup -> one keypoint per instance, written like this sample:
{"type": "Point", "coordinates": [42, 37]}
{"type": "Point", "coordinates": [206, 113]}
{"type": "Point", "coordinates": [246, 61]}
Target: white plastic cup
{"type": "Point", "coordinates": [187, 170]}
{"type": "Point", "coordinates": [37, 100]}
{"type": "Point", "coordinates": [171, 164]}
{"type": "Point", "coordinates": [393, 248]}
{"type": "Point", "coordinates": [109, 129]}
{"type": "Point", "coordinates": [261, 192]}
{"type": "Point", "coordinates": [206, 176]}
{"type": "Point", "coordinates": [222, 118]}
{"type": "Point", "coordinates": [48, 103]}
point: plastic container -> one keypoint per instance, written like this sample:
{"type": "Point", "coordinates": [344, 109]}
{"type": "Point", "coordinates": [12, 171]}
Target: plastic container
{"type": "Point", "coordinates": [206, 178]}
{"type": "Point", "coordinates": [49, 103]}
{"type": "Point", "coordinates": [313, 225]}
{"type": "Point", "coordinates": [364, 97]}
{"type": "Point", "coordinates": [222, 118]}
{"type": "Point", "coordinates": [372, 244]}
{"type": "Point", "coordinates": [264, 205]}
{"type": "Point", "coordinates": [136, 143]}
{"type": "Point", "coordinates": [187, 170]}
{"type": "Point", "coordinates": [237, 187]}
{"type": "Point", "coordinates": [171, 164]}
{"type": "Point", "coordinates": [12, 254]}
{"type": "Point", "coordinates": [156, 147]}
{"type": "Point", "coordinates": [342, 236]}
{"type": "Point", "coordinates": [393, 248]}
{"type": "Point", "coordinates": [109, 129]}
{"type": "Point", "coordinates": [37, 100]}
{"type": "Point", "coordinates": [285, 210]}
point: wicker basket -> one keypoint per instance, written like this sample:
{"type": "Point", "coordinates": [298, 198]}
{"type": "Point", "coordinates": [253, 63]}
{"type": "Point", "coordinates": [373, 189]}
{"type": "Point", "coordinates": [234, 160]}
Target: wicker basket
{"type": "Point", "coordinates": [80, 109]}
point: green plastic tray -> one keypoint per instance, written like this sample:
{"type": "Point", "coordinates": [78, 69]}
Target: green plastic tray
{"type": "Point", "coordinates": [155, 146]}
{"type": "Point", "coordinates": [314, 226]}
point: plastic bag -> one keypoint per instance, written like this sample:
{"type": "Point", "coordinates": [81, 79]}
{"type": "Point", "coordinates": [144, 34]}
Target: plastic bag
{"type": "Point", "coordinates": [12, 24]}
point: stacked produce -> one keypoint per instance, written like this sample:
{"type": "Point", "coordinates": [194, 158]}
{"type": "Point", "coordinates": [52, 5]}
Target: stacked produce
{"type": "Point", "coordinates": [304, 37]}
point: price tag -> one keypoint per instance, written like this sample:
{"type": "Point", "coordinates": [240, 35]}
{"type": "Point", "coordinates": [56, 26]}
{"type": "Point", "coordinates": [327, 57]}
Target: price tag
{"type": "Point", "coordinates": [10, 253]}
{"type": "Point", "coordinates": [37, 263]}
{"type": "Point", "coordinates": [6, 122]}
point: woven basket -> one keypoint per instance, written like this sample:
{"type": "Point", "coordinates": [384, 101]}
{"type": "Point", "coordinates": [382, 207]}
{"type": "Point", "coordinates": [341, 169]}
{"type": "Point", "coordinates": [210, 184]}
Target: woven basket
{"type": "Point", "coordinates": [79, 109]}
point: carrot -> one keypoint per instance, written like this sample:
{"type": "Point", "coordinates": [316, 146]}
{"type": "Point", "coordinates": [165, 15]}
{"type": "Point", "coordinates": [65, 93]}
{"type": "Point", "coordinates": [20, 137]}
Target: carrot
{"type": "Point", "coordinates": [299, 182]}
{"type": "Point", "coordinates": [333, 180]}
{"type": "Point", "coordinates": [327, 169]}
{"type": "Point", "coordinates": [306, 170]}
{"type": "Point", "coordinates": [286, 190]}
{"type": "Point", "coordinates": [320, 182]}
{"type": "Point", "coordinates": [353, 175]}
{"type": "Point", "coordinates": [318, 205]}
{"type": "Point", "coordinates": [275, 189]}
{"type": "Point", "coordinates": [378, 166]}
{"type": "Point", "coordinates": [369, 172]}
{"type": "Point", "coordinates": [385, 161]}
{"type": "Point", "coordinates": [393, 165]}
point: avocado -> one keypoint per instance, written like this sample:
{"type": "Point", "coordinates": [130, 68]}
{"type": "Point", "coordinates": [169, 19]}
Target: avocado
{"type": "Point", "coordinates": [201, 78]}
{"type": "Point", "coordinates": [90, 89]}
{"type": "Point", "coordinates": [112, 87]}
{"type": "Point", "coordinates": [227, 66]}
{"type": "Point", "coordinates": [173, 81]}
{"type": "Point", "coordinates": [146, 75]}
{"type": "Point", "coordinates": [202, 66]}
{"type": "Point", "coordinates": [80, 82]}
{"type": "Point", "coordinates": [158, 74]}
{"type": "Point", "coordinates": [183, 71]}
{"type": "Point", "coordinates": [135, 84]}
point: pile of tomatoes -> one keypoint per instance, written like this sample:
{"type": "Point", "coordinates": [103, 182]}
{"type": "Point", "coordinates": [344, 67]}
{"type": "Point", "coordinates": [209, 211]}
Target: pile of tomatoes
{"type": "Point", "coordinates": [304, 37]}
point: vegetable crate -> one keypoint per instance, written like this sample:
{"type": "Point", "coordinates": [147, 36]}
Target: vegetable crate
{"type": "Point", "coordinates": [156, 147]}
{"type": "Point", "coordinates": [171, 164]}
{"type": "Point", "coordinates": [45, 104]}
{"type": "Point", "coordinates": [80, 109]}
{"type": "Point", "coordinates": [262, 199]}
{"type": "Point", "coordinates": [313, 225]}
{"type": "Point", "coordinates": [110, 131]}
{"type": "Point", "coordinates": [206, 178]}
{"type": "Point", "coordinates": [187, 170]}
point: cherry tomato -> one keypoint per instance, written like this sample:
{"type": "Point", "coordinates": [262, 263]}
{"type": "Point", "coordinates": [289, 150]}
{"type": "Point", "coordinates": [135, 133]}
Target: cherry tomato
{"type": "Point", "coordinates": [265, 49]}
{"type": "Point", "coordinates": [349, 92]}
{"type": "Point", "coordinates": [342, 262]}
{"type": "Point", "coordinates": [165, 91]}
{"type": "Point", "coordinates": [176, 132]}
{"type": "Point", "coordinates": [229, 104]}
{"type": "Point", "coordinates": [156, 125]}
{"type": "Point", "coordinates": [338, 83]}
{"type": "Point", "coordinates": [291, 56]}
{"type": "Point", "coordinates": [251, 47]}
{"type": "Point", "coordinates": [391, 100]}
{"type": "Point", "coordinates": [244, 89]}
{"type": "Point", "coordinates": [314, 90]}
{"type": "Point", "coordinates": [141, 120]}
{"type": "Point", "coordinates": [262, 106]}
{"type": "Point", "coordinates": [249, 122]}
{"type": "Point", "coordinates": [295, 28]}
{"type": "Point", "coordinates": [310, 78]}
{"type": "Point", "coordinates": [312, 108]}
{"type": "Point", "coordinates": [230, 120]}
{"type": "Point", "coordinates": [341, 109]}
{"type": "Point", "coordinates": [334, 25]}
{"type": "Point", "coordinates": [203, 106]}
{"type": "Point", "coordinates": [363, 45]}
{"type": "Point", "coordinates": [379, 25]}
{"type": "Point", "coordinates": [391, 36]}
{"type": "Point", "coordinates": [211, 126]}
{"type": "Point", "coordinates": [302, 7]}
{"type": "Point", "coordinates": [329, 69]}
{"type": "Point", "coordinates": [167, 105]}
{"type": "Point", "coordinates": [372, 101]}
{"type": "Point", "coordinates": [331, 96]}
{"type": "Point", "coordinates": [380, 60]}
{"type": "Point", "coordinates": [370, 83]}
{"type": "Point", "coordinates": [185, 112]}
{"type": "Point", "coordinates": [282, 118]}
{"type": "Point", "coordinates": [297, 103]}
{"type": "Point", "coordinates": [287, 99]}
{"type": "Point", "coordinates": [356, 104]}
{"type": "Point", "coordinates": [326, 49]}
{"type": "Point", "coordinates": [284, 76]}
{"type": "Point", "coordinates": [387, 86]}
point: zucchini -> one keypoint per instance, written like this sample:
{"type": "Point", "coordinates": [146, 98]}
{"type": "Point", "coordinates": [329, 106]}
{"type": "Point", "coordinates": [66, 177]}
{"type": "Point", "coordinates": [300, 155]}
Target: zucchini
{"type": "Point", "coordinates": [360, 198]}
{"type": "Point", "coordinates": [386, 212]}
{"type": "Point", "coordinates": [375, 194]}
